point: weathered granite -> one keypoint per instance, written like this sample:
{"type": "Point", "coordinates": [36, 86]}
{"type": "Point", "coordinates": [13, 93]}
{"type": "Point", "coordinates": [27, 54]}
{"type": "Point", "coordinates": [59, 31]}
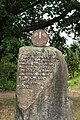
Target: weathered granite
{"type": "Point", "coordinates": [41, 92]}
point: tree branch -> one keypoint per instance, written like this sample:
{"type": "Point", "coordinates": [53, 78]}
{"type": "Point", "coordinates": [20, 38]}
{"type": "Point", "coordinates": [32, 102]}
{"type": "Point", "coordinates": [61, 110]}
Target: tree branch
{"type": "Point", "coordinates": [45, 23]}
{"type": "Point", "coordinates": [17, 9]}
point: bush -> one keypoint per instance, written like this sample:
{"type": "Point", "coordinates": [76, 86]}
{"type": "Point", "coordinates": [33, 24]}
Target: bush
{"type": "Point", "coordinates": [74, 83]}
{"type": "Point", "coordinates": [8, 86]}
{"type": "Point", "coordinates": [7, 73]}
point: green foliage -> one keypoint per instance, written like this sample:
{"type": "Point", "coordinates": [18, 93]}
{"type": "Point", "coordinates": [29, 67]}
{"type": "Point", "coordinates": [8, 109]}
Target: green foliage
{"type": "Point", "coordinates": [59, 42]}
{"type": "Point", "coordinates": [18, 19]}
{"type": "Point", "coordinates": [8, 63]}
{"type": "Point", "coordinates": [74, 83]}
{"type": "Point", "coordinates": [72, 61]}
{"type": "Point", "coordinates": [8, 86]}
{"type": "Point", "coordinates": [7, 73]}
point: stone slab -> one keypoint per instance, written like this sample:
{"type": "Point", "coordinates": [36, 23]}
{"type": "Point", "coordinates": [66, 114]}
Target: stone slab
{"type": "Point", "coordinates": [41, 92]}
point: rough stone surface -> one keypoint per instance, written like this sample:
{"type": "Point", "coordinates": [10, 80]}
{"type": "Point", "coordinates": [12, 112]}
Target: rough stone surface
{"type": "Point", "coordinates": [41, 92]}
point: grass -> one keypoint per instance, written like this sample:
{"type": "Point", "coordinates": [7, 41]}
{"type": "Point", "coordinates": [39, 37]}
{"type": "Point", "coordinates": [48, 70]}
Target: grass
{"type": "Point", "coordinates": [7, 101]}
{"type": "Point", "coordinates": [74, 84]}
{"type": "Point", "coordinates": [74, 88]}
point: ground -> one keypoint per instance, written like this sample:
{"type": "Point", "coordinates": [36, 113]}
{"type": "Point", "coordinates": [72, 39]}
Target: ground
{"type": "Point", "coordinates": [7, 105]}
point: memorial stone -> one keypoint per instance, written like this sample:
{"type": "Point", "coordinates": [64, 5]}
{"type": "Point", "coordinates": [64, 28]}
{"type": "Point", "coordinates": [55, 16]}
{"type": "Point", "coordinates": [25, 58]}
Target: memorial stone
{"type": "Point", "coordinates": [41, 92]}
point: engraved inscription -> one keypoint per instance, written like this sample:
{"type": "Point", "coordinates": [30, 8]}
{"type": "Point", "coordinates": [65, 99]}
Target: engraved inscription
{"type": "Point", "coordinates": [39, 38]}
{"type": "Point", "coordinates": [36, 34]}
{"type": "Point", "coordinates": [35, 68]}
{"type": "Point", "coordinates": [39, 34]}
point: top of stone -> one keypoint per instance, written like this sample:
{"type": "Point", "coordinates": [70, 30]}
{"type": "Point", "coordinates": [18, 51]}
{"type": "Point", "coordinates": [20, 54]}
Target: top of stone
{"type": "Point", "coordinates": [39, 38]}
